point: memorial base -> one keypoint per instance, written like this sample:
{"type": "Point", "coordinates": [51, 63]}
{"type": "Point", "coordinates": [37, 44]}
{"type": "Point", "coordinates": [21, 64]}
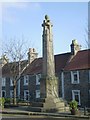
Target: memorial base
{"type": "Point", "coordinates": [49, 100]}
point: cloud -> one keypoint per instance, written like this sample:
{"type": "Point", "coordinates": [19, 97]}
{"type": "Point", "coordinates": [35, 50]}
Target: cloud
{"type": "Point", "coordinates": [22, 1]}
{"type": "Point", "coordinates": [18, 5]}
{"type": "Point", "coordinates": [10, 8]}
{"type": "Point", "coordinates": [12, 1]}
{"type": "Point", "coordinates": [0, 10]}
{"type": "Point", "coordinates": [21, 5]}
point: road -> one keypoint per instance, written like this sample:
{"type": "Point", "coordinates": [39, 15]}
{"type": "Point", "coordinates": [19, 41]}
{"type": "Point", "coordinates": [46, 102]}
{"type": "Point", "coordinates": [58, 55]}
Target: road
{"type": "Point", "coordinates": [26, 117]}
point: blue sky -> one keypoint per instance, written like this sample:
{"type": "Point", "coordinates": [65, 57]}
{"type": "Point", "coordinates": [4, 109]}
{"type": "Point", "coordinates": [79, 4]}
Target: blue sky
{"type": "Point", "coordinates": [70, 19]}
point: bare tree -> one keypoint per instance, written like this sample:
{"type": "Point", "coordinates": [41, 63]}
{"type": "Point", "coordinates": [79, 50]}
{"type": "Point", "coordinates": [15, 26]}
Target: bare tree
{"type": "Point", "coordinates": [16, 51]}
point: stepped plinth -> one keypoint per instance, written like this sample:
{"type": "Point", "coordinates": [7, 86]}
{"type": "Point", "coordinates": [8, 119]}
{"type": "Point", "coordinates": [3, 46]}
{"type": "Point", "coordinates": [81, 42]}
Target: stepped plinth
{"type": "Point", "coordinates": [49, 100]}
{"type": "Point", "coordinates": [48, 105]}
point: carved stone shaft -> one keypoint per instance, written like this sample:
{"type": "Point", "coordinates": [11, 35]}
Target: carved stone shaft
{"type": "Point", "coordinates": [48, 56]}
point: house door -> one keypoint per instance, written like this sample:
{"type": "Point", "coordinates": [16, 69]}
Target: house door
{"type": "Point", "coordinates": [26, 95]}
{"type": "Point", "coordinates": [3, 93]}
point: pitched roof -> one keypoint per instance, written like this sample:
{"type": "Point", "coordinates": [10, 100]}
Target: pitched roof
{"type": "Point", "coordinates": [12, 68]}
{"type": "Point", "coordinates": [80, 61]}
{"type": "Point", "coordinates": [62, 62]}
{"type": "Point", "coordinates": [36, 66]}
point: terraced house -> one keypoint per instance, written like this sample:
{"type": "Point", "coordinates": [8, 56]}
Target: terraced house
{"type": "Point", "coordinates": [71, 68]}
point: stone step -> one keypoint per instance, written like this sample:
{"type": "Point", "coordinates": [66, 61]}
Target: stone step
{"type": "Point", "coordinates": [60, 104]}
{"type": "Point", "coordinates": [34, 109]}
{"type": "Point", "coordinates": [67, 109]}
{"type": "Point", "coordinates": [37, 104]}
{"type": "Point", "coordinates": [61, 109]}
{"type": "Point", "coordinates": [58, 100]}
{"type": "Point", "coordinates": [40, 100]}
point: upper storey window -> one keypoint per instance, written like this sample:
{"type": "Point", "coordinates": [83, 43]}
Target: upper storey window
{"type": "Point", "coordinates": [38, 76]}
{"type": "Point", "coordinates": [26, 79]}
{"type": "Point", "coordinates": [3, 81]}
{"type": "Point", "coordinates": [75, 77]}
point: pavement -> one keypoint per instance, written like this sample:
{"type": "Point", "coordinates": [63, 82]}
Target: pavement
{"type": "Point", "coordinates": [22, 111]}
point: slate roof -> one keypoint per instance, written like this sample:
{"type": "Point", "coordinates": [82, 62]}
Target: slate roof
{"type": "Point", "coordinates": [63, 61]}
{"type": "Point", "coordinates": [80, 61]}
{"type": "Point", "coordinates": [7, 69]}
{"type": "Point", "coordinates": [35, 67]}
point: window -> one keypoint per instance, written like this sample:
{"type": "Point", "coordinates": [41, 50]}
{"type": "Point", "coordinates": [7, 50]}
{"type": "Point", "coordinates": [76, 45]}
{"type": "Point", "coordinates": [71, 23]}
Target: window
{"type": "Point", "coordinates": [26, 78]}
{"type": "Point", "coordinates": [11, 81]}
{"type": "Point", "coordinates": [11, 93]}
{"type": "Point", "coordinates": [74, 77]}
{"type": "Point", "coordinates": [3, 93]}
{"type": "Point", "coordinates": [3, 81]}
{"type": "Point", "coordinates": [26, 95]}
{"type": "Point", "coordinates": [76, 96]}
{"type": "Point", "coordinates": [89, 92]}
{"type": "Point", "coordinates": [38, 79]}
{"type": "Point", "coordinates": [37, 93]}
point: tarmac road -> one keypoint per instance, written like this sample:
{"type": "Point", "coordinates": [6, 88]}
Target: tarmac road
{"type": "Point", "coordinates": [40, 119]}
{"type": "Point", "coordinates": [25, 117]}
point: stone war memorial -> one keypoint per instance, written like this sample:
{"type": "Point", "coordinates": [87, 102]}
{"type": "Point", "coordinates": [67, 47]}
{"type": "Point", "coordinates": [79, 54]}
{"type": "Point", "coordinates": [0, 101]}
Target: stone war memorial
{"type": "Point", "coordinates": [49, 100]}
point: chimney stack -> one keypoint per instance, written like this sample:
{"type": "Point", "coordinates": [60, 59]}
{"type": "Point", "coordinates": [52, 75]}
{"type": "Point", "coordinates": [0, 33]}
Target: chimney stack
{"type": "Point", "coordinates": [75, 47]}
{"type": "Point", "coordinates": [4, 60]}
{"type": "Point", "coordinates": [32, 55]}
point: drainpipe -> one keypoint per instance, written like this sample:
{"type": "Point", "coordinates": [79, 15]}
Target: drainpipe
{"type": "Point", "coordinates": [19, 79]}
{"type": "Point", "coordinates": [62, 82]}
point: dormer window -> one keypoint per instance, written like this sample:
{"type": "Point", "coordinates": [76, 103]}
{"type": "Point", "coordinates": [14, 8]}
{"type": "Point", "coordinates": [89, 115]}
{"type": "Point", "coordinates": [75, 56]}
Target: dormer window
{"type": "Point", "coordinates": [38, 76]}
{"type": "Point", "coordinates": [74, 77]}
{"type": "Point", "coordinates": [26, 79]}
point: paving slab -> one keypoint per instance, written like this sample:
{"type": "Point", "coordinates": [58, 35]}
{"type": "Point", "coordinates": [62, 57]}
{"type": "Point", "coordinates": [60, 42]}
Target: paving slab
{"type": "Point", "coordinates": [18, 111]}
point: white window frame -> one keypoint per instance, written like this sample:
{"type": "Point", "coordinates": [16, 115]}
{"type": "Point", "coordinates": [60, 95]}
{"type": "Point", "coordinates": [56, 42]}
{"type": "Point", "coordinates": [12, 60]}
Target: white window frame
{"type": "Point", "coordinates": [3, 82]}
{"type": "Point", "coordinates": [11, 93]}
{"type": "Point", "coordinates": [72, 77]}
{"type": "Point", "coordinates": [11, 81]}
{"type": "Point", "coordinates": [73, 96]}
{"type": "Point", "coordinates": [4, 92]}
{"type": "Point", "coordinates": [37, 93]}
{"type": "Point", "coordinates": [26, 94]}
{"type": "Point", "coordinates": [26, 80]}
{"type": "Point", "coordinates": [38, 76]}
{"type": "Point", "coordinates": [89, 76]}
{"type": "Point", "coordinates": [89, 92]}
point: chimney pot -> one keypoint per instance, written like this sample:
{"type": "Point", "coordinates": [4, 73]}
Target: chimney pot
{"type": "Point", "coordinates": [32, 54]}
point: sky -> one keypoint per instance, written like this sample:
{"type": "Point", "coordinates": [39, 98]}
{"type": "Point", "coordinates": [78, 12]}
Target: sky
{"type": "Point", "coordinates": [23, 20]}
